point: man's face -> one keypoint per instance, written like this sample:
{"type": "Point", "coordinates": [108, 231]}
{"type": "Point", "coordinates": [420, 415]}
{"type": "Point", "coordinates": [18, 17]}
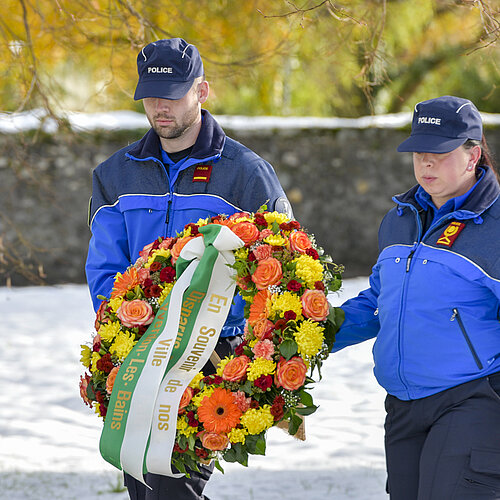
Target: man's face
{"type": "Point", "coordinates": [172, 119]}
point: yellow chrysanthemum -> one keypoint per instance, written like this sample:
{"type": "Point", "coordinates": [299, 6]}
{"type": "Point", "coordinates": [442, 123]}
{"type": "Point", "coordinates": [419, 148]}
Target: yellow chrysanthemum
{"type": "Point", "coordinates": [275, 240]}
{"type": "Point", "coordinates": [260, 366]}
{"type": "Point", "coordinates": [309, 270]}
{"type": "Point", "coordinates": [252, 343]}
{"type": "Point", "coordinates": [203, 222]}
{"type": "Point", "coordinates": [165, 252]}
{"type": "Point", "coordinates": [196, 380]}
{"type": "Point", "coordinates": [109, 331]}
{"type": "Point", "coordinates": [276, 217]}
{"type": "Point", "coordinates": [309, 337]}
{"type": "Point", "coordinates": [257, 420]}
{"type": "Point", "coordinates": [241, 253]}
{"type": "Point", "coordinates": [184, 428]}
{"type": "Point", "coordinates": [95, 357]}
{"type": "Point", "coordinates": [286, 301]}
{"type": "Point", "coordinates": [115, 303]}
{"type": "Point", "coordinates": [86, 353]}
{"type": "Point", "coordinates": [206, 392]}
{"type": "Point", "coordinates": [237, 435]}
{"type": "Point", "coordinates": [165, 292]}
{"type": "Point", "coordinates": [222, 365]}
{"type": "Point", "coordinates": [243, 219]}
{"type": "Point", "coordinates": [122, 345]}
{"type": "Point", "coordinates": [97, 409]}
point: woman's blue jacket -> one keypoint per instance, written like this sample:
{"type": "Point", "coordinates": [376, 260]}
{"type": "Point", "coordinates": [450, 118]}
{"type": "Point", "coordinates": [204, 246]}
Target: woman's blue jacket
{"type": "Point", "coordinates": [434, 297]}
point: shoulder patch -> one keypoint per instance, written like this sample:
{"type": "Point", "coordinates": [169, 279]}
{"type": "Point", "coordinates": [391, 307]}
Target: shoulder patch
{"type": "Point", "coordinates": [450, 234]}
{"type": "Point", "coordinates": [283, 206]}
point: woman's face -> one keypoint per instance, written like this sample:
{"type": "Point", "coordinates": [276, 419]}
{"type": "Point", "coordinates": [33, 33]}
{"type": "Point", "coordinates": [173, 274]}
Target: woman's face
{"type": "Point", "coordinates": [446, 175]}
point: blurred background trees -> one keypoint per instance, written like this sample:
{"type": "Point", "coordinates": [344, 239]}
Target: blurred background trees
{"type": "Point", "coordinates": [320, 58]}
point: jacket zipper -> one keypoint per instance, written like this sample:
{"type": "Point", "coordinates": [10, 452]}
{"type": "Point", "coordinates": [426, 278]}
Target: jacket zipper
{"type": "Point", "coordinates": [456, 315]}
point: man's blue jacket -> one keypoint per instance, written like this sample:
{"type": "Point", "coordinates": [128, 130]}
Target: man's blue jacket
{"type": "Point", "coordinates": [136, 198]}
{"type": "Point", "coordinates": [434, 297]}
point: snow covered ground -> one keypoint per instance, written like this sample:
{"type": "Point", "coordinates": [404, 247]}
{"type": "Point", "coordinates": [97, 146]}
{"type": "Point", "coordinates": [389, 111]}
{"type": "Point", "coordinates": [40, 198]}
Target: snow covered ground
{"type": "Point", "coordinates": [49, 439]}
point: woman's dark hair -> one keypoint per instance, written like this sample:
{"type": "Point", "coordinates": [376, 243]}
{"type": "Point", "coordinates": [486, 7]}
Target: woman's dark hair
{"type": "Point", "coordinates": [486, 155]}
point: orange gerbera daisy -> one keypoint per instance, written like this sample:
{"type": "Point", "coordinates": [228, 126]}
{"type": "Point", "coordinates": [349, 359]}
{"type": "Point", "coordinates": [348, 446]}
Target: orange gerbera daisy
{"type": "Point", "coordinates": [219, 412]}
{"type": "Point", "coordinates": [125, 282]}
{"type": "Point", "coordinates": [260, 307]}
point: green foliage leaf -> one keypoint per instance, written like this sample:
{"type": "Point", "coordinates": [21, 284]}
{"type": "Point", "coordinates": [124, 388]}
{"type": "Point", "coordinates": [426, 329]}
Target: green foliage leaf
{"type": "Point", "coordinates": [305, 398]}
{"type": "Point", "coordinates": [294, 424]}
{"type": "Point", "coordinates": [218, 466]}
{"type": "Point", "coordinates": [288, 348]}
{"type": "Point", "coordinates": [256, 444]}
{"type": "Point", "coordinates": [306, 410]}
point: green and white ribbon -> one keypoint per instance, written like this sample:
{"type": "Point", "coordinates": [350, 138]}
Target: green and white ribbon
{"type": "Point", "coordinates": [140, 426]}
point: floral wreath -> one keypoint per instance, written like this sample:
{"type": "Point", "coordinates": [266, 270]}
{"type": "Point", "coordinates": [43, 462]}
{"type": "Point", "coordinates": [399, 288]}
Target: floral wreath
{"type": "Point", "coordinates": [284, 278]}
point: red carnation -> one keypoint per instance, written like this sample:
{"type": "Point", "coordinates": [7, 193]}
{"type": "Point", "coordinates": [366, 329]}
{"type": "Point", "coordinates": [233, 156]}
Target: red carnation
{"type": "Point", "coordinates": [167, 274]}
{"type": "Point", "coordinates": [319, 285]}
{"type": "Point", "coordinates": [201, 453]}
{"type": "Point", "coordinates": [254, 404]}
{"type": "Point", "coordinates": [260, 220]}
{"type": "Point", "coordinates": [152, 291]}
{"type": "Point", "coordinates": [239, 349]}
{"type": "Point", "coordinates": [194, 228]}
{"type": "Point", "coordinates": [280, 324]}
{"type": "Point", "coordinates": [178, 449]}
{"type": "Point", "coordinates": [290, 315]}
{"type": "Point", "coordinates": [155, 266]}
{"type": "Point", "coordinates": [264, 382]}
{"type": "Point", "coordinates": [147, 283]}
{"type": "Point", "coordinates": [277, 408]}
{"type": "Point", "coordinates": [156, 244]}
{"type": "Point", "coordinates": [212, 379]}
{"type": "Point", "coordinates": [192, 421]}
{"type": "Point", "coordinates": [251, 257]}
{"type": "Point", "coordinates": [312, 253]}
{"type": "Point", "coordinates": [105, 364]}
{"type": "Point", "coordinates": [293, 286]}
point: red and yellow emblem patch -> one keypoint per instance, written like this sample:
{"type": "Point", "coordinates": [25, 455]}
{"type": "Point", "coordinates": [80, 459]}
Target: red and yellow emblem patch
{"type": "Point", "coordinates": [202, 173]}
{"type": "Point", "coordinates": [450, 234]}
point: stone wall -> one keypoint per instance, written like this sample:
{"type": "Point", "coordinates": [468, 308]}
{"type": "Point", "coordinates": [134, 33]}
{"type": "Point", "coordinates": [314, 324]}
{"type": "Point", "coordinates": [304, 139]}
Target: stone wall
{"type": "Point", "coordinates": [340, 183]}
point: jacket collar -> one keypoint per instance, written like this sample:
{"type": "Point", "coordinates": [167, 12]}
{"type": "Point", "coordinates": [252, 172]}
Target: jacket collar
{"type": "Point", "coordinates": [481, 198]}
{"type": "Point", "coordinates": [209, 143]}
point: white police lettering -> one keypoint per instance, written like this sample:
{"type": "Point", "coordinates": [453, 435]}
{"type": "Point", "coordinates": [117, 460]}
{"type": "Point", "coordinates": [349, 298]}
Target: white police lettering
{"type": "Point", "coordinates": [430, 120]}
{"type": "Point", "coordinates": [159, 69]}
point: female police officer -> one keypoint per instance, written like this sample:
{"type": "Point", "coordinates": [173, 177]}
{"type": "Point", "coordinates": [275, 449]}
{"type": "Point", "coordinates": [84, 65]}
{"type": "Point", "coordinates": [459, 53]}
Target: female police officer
{"type": "Point", "coordinates": [434, 307]}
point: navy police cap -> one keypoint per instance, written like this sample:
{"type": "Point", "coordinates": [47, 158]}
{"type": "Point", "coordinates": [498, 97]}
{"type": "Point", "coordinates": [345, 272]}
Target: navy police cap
{"type": "Point", "coordinates": [442, 124]}
{"type": "Point", "coordinates": [167, 69]}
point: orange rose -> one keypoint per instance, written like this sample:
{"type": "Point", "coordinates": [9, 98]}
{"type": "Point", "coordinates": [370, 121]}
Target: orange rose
{"type": "Point", "coordinates": [246, 231]}
{"type": "Point", "coordinates": [299, 241]}
{"type": "Point", "coordinates": [135, 312]}
{"type": "Point", "coordinates": [214, 441]}
{"type": "Point", "coordinates": [178, 246]}
{"type": "Point", "coordinates": [314, 305]}
{"type": "Point", "coordinates": [110, 382]}
{"type": "Point", "coordinates": [186, 398]}
{"type": "Point", "coordinates": [100, 318]}
{"type": "Point", "coordinates": [262, 327]}
{"type": "Point", "coordinates": [290, 374]}
{"type": "Point", "coordinates": [236, 369]}
{"type": "Point", "coordinates": [268, 273]}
